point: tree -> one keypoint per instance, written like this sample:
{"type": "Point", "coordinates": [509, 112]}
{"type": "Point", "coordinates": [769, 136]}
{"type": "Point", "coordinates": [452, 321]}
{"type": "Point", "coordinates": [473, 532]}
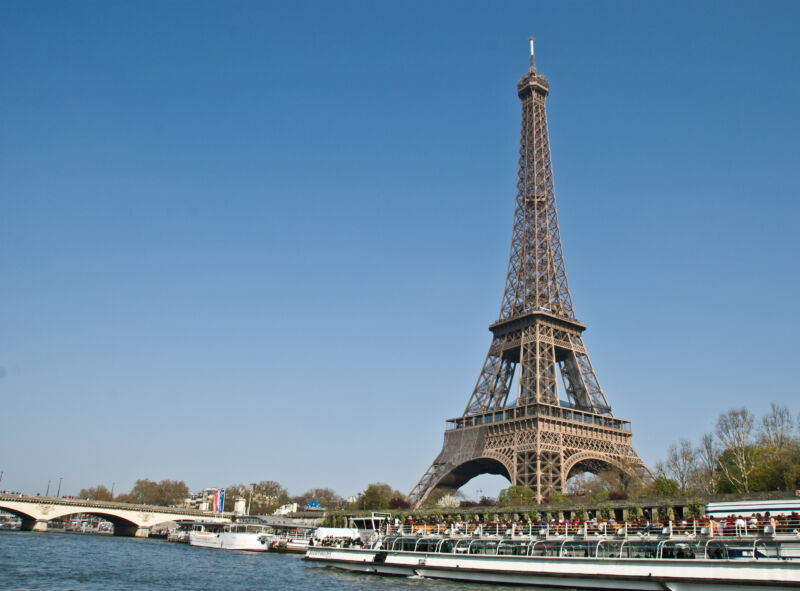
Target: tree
{"type": "Point", "coordinates": [267, 496]}
{"type": "Point", "coordinates": [734, 430]}
{"type": "Point", "coordinates": [776, 428]}
{"type": "Point", "coordinates": [324, 496]}
{"type": "Point", "coordinates": [665, 487]}
{"type": "Point", "coordinates": [399, 502]}
{"type": "Point", "coordinates": [707, 474]}
{"type": "Point", "coordinates": [516, 495]}
{"type": "Point", "coordinates": [448, 502]}
{"type": "Point", "coordinates": [696, 508]}
{"type": "Point", "coordinates": [376, 496]}
{"type": "Point", "coordinates": [164, 493]}
{"type": "Point", "coordinates": [681, 464]}
{"type": "Point", "coordinates": [99, 493]}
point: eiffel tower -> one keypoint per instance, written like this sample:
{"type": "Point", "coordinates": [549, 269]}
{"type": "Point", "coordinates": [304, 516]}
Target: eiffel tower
{"type": "Point", "coordinates": [534, 439]}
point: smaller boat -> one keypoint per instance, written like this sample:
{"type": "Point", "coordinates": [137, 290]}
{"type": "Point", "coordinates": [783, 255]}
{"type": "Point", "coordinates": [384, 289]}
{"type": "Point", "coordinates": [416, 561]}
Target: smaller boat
{"type": "Point", "coordinates": [251, 537]}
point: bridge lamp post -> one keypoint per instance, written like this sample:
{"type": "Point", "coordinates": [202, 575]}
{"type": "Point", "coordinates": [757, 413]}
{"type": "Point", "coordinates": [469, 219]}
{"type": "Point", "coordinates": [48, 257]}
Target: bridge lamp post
{"type": "Point", "coordinates": [47, 494]}
{"type": "Point", "coordinates": [60, 478]}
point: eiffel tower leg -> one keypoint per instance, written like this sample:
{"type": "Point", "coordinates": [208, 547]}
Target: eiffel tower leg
{"type": "Point", "coordinates": [466, 453]}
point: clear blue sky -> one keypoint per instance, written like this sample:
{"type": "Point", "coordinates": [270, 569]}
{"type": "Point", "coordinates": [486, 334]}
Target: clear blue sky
{"type": "Point", "coordinates": [254, 240]}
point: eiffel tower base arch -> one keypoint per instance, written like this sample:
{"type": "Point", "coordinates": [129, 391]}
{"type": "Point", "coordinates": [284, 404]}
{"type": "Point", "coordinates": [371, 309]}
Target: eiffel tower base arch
{"type": "Point", "coordinates": [539, 453]}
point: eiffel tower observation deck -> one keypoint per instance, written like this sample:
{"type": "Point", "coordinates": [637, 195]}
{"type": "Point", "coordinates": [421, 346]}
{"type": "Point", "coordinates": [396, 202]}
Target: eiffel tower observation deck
{"type": "Point", "coordinates": [534, 436]}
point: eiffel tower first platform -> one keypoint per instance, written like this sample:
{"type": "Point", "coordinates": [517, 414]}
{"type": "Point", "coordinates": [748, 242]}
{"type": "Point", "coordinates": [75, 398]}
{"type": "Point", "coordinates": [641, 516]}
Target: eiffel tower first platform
{"type": "Point", "coordinates": [533, 438]}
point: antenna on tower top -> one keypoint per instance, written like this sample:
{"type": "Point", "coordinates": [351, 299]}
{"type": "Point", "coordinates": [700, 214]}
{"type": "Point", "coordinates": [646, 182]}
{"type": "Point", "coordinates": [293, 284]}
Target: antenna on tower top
{"type": "Point", "coordinates": [533, 65]}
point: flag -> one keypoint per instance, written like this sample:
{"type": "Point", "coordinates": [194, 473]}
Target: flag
{"type": "Point", "coordinates": [215, 502]}
{"type": "Point", "coordinates": [221, 500]}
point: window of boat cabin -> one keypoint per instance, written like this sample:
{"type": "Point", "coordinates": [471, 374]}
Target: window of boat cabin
{"type": "Point", "coordinates": [578, 549]}
{"type": "Point", "coordinates": [483, 547]}
{"type": "Point", "coordinates": [717, 550]}
{"type": "Point", "coordinates": [542, 548]}
{"type": "Point", "coordinates": [427, 544]}
{"type": "Point", "coordinates": [608, 548]}
{"type": "Point", "coordinates": [462, 546]}
{"type": "Point", "coordinates": [405, 544]}
{"type": "Point", "coordinates": [512, 548]}
{"type": "Point", "coordinates": [640, 550]}
{"type": "Point", "coordinates": [766, 549]}
{"type": "Point", "coordinates": [447, 545]}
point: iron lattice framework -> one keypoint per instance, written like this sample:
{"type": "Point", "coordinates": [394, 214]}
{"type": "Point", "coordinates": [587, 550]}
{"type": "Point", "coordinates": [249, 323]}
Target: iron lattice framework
{"type": "Point", "coordinates": [535, 439]}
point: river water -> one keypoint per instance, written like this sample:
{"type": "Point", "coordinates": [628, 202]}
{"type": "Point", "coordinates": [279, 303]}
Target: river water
{"type": "Point", "coordinates": [67, 561]}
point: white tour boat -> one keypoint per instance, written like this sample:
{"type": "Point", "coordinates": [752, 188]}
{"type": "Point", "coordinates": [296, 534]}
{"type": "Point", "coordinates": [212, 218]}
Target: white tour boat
{"type": "Point", "coordinates": [231, 536]}
{"type": "Point", "coordinates": [665, 562]}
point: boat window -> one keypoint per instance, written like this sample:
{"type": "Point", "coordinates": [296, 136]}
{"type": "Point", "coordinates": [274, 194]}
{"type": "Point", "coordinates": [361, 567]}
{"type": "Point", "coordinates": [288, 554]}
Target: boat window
{"type": "Point", "coordinates": [608, 549]}
{"type": "Point", "coordinates": [404, 544]}
{"type": "Point", "coordinates": [640, 550]}
{"type": "Point", "coordinates": [673, 549]}
{"type": "Point", "coordinates": [446, 545]}
{"type": "Point", "coordinates": [577, 549]}
{"type": "Point", "coordinates": [716, 550]}
{"type": "Point", "coordinates": [542, 548]}
{"type": "Point", "coordinates": [512, 548]}
{"type": "Point", "coordinates": [765, 549]}
{"type": "Point", "coordinates": [462, 546]}
{"type": "Point", "coordinates": [483, 547]}
{"type": "Point", "coordinates": [427, 545]}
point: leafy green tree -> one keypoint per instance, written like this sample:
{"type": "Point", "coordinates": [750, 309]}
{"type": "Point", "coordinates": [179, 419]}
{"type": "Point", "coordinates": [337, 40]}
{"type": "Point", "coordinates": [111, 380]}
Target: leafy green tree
{"type": "Point", "coordinates": [665, 487]}
{"type": "Point", "coordinates": [376, 496]}
{"type": "Point", "coordinates": [634, 511]}
{"type": "Point", "coordinates": [696, 508]}
{"type": "Point", "coordinates": [399, 502]}
{"type": "Point", "coordinates": [558, 497]}
{"type": "Point", "coordinates": [664, 510]}
{"type": "Point", "coordinates": [604, 510]}
{"type": "Point", "coordinates": [334, 519]}
{"type": "Point", "coordinates": [598, 495]}
{"type": "Point", "coordinates": [516, 495]}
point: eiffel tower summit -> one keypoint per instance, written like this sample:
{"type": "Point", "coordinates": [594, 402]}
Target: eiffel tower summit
{"type": "Point", "coordinates": [537, 435]}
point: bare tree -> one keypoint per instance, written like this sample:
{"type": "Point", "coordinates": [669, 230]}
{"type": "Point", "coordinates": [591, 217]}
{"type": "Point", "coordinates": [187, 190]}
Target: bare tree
{"type": "Point", "coordinates": [681, 464]}
{"type": "Point", "coordinates": [776, 427]}
{"type": "Point", "coordinates": [734, 430]}
{"type": "Point", "coordinates": [707, 474]}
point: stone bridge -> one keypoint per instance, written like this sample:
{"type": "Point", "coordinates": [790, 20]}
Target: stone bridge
{"type": "Point", "coordinates": [128, 520]}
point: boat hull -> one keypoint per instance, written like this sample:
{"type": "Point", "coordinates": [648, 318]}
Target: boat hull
{"type": "Point", "coordinates": [250, 542]}
{"type": "Point", "coordinates": [574, 573]}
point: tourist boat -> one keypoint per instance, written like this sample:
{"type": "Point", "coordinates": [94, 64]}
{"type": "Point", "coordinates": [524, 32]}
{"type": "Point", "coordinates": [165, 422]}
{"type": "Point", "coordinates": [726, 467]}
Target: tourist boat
{"type": "Point", "coordinates": [231, 536]}
{"type": "Point", "coordinates": [618, 561]}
